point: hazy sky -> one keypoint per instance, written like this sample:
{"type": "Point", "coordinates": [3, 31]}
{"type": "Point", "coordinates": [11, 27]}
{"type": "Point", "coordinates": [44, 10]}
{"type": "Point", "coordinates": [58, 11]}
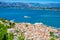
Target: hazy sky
{"type": "Point", "coordinates": [34, 1]}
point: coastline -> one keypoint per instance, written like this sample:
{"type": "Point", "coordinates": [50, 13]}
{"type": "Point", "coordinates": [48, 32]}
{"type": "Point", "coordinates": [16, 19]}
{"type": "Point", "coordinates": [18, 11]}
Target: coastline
{"type": "Point", "coordinates": [29, 21]}
{"type": "Point", "coordinates": [34, 23]}
{"type": "Point", "coordinates": [36, 31]}
{"type": "Point", "coordinates": [28, 28]}
{"type": "Point", "coordinates": [39, 23]}
{"type": "Point", "coordinates": [32, 9]}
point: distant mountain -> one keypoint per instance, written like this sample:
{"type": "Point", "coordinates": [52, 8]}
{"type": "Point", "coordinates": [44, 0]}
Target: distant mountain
{"type": "Point", "coordinates": [30, 5]}
{"type": "Point", "coordinates": [47, 4]}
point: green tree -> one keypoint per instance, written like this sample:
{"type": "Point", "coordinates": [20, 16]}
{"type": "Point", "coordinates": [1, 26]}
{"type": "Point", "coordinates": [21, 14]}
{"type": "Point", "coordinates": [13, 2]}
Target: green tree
{"type": "Point", "coordinates": [3, 31]}
{"type": "Point", "coordinates": [51, 34]}
{"type": "Point", "coordinates": [10, 36]}
{"type": "Point", "coordinates": [26, 25]}
{"type": "Point", "coordinates": [22, 37]}
{"type": "Point", "coordinates": [52, 39]}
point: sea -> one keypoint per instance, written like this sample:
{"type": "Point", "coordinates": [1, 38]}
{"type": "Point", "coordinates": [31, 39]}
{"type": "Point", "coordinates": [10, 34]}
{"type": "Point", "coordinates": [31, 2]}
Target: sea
{"type": "Point", "coordinates": [47, 17]}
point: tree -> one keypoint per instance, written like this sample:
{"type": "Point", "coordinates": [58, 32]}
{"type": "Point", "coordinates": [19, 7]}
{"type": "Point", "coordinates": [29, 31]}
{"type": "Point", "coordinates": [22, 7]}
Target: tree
{"type": "Point", "coordinates": [52, 39]}
{"type": "Point", "coordinates": [10, 36]}
{"type": "Point", "coordinates": [3, 31]}
{"type": "Point", "coordinates": [22, 37]}
{"type": "Point", "coordinates": [51, 34]}
{"type": "Point", "coordinates": [26, 25]}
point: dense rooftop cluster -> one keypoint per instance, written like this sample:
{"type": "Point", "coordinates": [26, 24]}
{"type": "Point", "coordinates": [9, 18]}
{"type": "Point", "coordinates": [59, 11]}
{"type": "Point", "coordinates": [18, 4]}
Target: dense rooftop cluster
{"type": "Point", "coordinates": [10, 30]}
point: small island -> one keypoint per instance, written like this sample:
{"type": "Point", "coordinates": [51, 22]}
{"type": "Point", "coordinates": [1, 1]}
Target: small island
{"type": "Point", "coordinates": [10, 30]}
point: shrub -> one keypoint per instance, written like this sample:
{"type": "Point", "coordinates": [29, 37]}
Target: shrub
{"type": "Point", "coordinates": [10, 36]}
{"type": "Point", "coordinates": [26, 25]}
{"type": "Point", "coordinates": [52, 39]}
{"type": "Point", "coordinates": [3, 31]}
{"type": "Point", "coordinates": [22, 37]}
{"type": "Point", "coordinates": [51, 34]}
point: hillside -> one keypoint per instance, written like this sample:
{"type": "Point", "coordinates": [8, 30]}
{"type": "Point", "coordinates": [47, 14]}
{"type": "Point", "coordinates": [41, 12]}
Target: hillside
{"type": "Point", "coordinates": [35, 6]}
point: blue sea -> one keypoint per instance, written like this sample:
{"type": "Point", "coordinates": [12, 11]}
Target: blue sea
{"type": "Point", "coordinates": [47, 17]}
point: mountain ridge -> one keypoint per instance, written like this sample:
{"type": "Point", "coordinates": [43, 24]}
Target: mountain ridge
{"type": "Point", "coordinates": [30, 5]}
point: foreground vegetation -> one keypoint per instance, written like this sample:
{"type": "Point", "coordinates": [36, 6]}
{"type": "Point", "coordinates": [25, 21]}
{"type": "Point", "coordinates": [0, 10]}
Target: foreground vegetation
{"type": "Point", "coordinates": [3, 29]}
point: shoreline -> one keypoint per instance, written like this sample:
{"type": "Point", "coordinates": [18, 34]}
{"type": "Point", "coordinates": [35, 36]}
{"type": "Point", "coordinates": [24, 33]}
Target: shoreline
{"type": "Point", "coordinates": [34, 23]}
{"type": "Point", "coordinates": [39, 28]}
{"type": "Point", "coordinates": [31, 9]}
{"type": "Point", "coordinates": [39, 23]}
{"type": "Point", "coordinates": [36, 31]}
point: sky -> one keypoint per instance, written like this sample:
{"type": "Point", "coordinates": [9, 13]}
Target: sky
{"type": "Point", "coordinates": [33, 1]}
